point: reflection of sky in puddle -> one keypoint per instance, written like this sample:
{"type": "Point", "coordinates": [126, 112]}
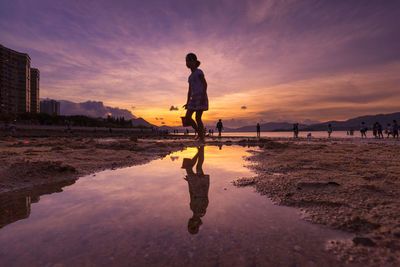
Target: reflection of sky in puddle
{"type": "Point", "coordinates": [140, 216]}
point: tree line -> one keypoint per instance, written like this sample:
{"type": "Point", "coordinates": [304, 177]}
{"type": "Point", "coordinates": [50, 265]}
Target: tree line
{"type": "Point", "coordinates": [73, 120]}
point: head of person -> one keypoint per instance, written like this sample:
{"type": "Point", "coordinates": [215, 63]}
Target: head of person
{"type": "Point", "coordinates": [194, 225]}
{"type": "Point", "coordinates": [362, 122]}
{"type": "Point", "coordinates": [191, 61]}
{"type": "Point", "coordinates": [219, 119]}
{"type": "Point", "coordinates": [394, 121]}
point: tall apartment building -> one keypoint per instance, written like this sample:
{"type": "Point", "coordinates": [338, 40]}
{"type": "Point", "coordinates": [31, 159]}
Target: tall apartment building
{"type": "Point", "coordinates": [35, 79]}
{"type": "Point", "coordinates": [15, 84]}
{"type": "Point", "coordinates": [50, 106]}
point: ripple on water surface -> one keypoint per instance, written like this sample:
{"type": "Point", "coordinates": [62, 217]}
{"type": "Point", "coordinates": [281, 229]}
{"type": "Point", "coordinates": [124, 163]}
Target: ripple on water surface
{"type": "Point", "coordinates": [180, 210]}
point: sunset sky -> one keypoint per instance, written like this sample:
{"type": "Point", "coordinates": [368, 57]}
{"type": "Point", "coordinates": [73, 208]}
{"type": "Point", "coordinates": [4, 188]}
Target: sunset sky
{"type": "Point", "coordinates": [263, 60]}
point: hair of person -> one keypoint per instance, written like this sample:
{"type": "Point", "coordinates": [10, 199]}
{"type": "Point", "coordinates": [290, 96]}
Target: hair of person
{"type": "Point", "coordinates": [193, 57]}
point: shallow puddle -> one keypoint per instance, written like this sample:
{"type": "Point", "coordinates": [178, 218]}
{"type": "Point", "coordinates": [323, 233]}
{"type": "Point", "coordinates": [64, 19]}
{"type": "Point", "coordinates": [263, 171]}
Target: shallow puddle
{"type": "Point", "coordinates": [180, 210]}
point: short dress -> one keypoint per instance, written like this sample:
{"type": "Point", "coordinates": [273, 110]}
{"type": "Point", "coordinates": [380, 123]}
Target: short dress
{"type": "Point", "coordinates": [197, 92]}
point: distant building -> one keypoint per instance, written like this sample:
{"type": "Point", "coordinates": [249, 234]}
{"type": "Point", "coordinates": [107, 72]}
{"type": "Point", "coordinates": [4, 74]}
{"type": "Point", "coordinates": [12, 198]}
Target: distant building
{"type": "Point", "coordinates": [15, 84]}
{"type": "Point", "coordinates": [35, 79]}
{"type": "Point", "coordinates": [50, 106]}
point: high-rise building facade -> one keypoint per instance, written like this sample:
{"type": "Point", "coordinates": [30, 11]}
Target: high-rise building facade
{"type": "Point", "coordinates": [35, 79]}
{"type": "Point", "coordinates": [15, 84]}
{"type": "Point", "coordinates": [50, 106]}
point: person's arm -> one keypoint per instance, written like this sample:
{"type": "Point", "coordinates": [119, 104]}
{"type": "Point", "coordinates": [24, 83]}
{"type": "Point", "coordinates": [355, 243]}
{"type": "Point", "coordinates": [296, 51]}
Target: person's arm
{"type": "Point", "coordinates": [188, 97]}
{"type": "Point", "coordinates": [204, 83]}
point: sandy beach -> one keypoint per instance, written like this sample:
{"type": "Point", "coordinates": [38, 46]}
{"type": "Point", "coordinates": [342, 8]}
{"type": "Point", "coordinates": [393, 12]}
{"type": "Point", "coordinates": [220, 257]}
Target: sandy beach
{"type": "Point", "coordinates": [351, 185]}
{"type": "Point", "coordinates": [346, 184]}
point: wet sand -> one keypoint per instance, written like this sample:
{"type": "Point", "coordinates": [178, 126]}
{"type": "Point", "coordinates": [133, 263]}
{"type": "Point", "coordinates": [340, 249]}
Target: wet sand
{"type": "Point", "coordinates": [351, 185]}
{"type": "Point", "coordinates": [27, 162]}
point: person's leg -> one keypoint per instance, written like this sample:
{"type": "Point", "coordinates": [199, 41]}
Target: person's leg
{"type": "Point", "coordinates": [200, 126]}
{"type": "Point", "coordinates": [189, 119]}
{"type": "Point", "coordinates": [199, 166]}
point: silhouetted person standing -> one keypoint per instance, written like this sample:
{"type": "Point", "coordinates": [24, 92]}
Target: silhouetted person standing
{"type": "Point", "coordinates": [219, 127]}
{"type": "Point", "coordinates": [330, 130]}
{"type": "Point", "coordinates": [197, 100]}
{"type": "Point", "coordinates": [375, 130]}
{"type": "Point", "coordinates": [363, 130]}
{"type": "Point", "coordinates": [296, 130]}
{"type": "Point", "coordinates": [395, 129]}
{"type": "Point", "coordinates": [258, 130]}
{"type": "Point", "coordinates": [380, 133]}
{"type": "Point", "coordinates": [388, 130]}
{"type": "Point", "coordinates": [199, 184]}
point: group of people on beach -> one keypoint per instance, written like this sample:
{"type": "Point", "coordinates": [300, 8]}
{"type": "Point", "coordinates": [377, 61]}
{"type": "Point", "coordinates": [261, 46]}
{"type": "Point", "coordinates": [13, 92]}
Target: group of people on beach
{"type": "Point", "coordinates": [377, 130]}
{"type": "Point", "coordinates": [391, 130]}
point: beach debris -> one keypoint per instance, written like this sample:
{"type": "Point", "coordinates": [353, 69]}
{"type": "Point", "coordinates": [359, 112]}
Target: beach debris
{"type": "Point", "coordinates": [365, 241]}
{"type": "Point", "coordinates": [244, 181]}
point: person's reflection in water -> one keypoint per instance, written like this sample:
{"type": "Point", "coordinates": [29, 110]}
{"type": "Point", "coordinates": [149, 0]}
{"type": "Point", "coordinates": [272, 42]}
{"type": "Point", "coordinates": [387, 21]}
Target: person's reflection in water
{"type": "Point", "coordinates": [199, 184]}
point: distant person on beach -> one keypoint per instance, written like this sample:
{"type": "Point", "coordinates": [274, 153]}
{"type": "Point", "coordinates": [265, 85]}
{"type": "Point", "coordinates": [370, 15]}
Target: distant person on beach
{"type": "Point", "coordinates": [296, 130]}
{"type": "Point", "coordinates": [258, 130]}
{"type": "Point", "coordinates": [219, 127]}
{"type": "Point", "coordinates": [330, 130]}
{"type": "Point", "coordinates": [395, 129]}
{"type": "Point", "coordinates": [197, 100]}
{"type": "Point", "coordinates": [351, 131]}
{"type": "Point", "coordinates": [363, 130]}
{"type": "Point", "coordinates": [388, 130]}
{"type": "Point", "coordinates": [380, 133]}
{"type": "Point", "coordinates": [309, 135]}
{"type": "Point", "coordinates": [375, 130]}
{"type": "Point", "coordinates": [199, 184]}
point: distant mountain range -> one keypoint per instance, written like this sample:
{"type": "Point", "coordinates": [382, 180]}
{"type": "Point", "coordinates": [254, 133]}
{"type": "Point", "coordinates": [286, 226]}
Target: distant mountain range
{"type": "Point", "coordinates": [355, 123]}
{"type": "Point", "coordinates": [96, 109]}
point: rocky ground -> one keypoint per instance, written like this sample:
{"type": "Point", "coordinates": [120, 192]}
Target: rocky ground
{"type": "Point", "coordinates": [351, 185]}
